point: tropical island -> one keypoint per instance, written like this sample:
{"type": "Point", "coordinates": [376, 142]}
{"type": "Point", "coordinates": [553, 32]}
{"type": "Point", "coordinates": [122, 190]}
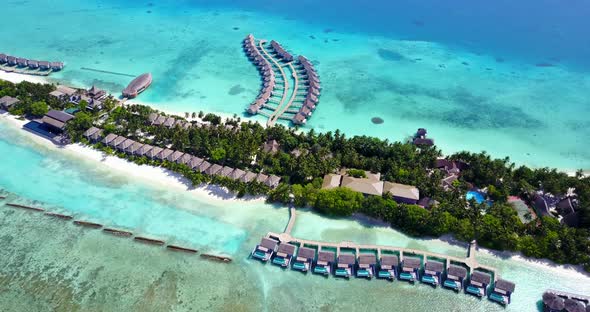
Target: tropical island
{"type": "Point", "coordinates": [412, 187]}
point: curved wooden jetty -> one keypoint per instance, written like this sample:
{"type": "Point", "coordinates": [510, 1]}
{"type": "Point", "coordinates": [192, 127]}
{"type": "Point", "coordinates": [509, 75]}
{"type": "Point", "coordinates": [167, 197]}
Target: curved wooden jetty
{"type": "Point", "coordinates": [304, 91]}
{"type": "Point", "coordinates": [88, 224]}
{"type": "Point", "coordinates": [179, 248]}
{"type": "Point", "coordinates": [150, 241]}
{"type": "Point", "coordinates": [59, 216]}
{"type": "Point", "coordinates": [117, 232]}
{"type": "Point", "coordinates": [216, 258]}
{"type": "Point", "coordinates": [25, 207]}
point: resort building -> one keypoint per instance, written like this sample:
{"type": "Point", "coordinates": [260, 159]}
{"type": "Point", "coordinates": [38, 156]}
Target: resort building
{"type": "Point", "coordinates": [125, 145]}
{"type": "Point", "coordinates": [265, 249]}
{"type": "Point", "coordinates": [109, 138]}
{"type": "Point", "coordinates": [185, 159]}
{"type": "Point", "coordinates": [455, 277]}
{"type": "Point", "coordinates": [195, 163]}
{"type": "Point", "coordinates": [273, 181]}
{"type": "Point", "coordinates": [174, 156]}
{"type": "Point", "coordinates": [402, 193]}
{"type": "Point", "coordinates": [237, 174]}
{"type": "Point", "coordinates": [93, 134]}
{"type": "Point", "coordinates": [249, 176]}
{"type": "Point", "coordinates": [388, 265]}
{"type": "Point", "coordinates": [137, 85]}
{"type": "Point", "coordinates": [345, 265]}
{"type": "Point", "coordinates": [22, 62]}
{"type": "Point", "coordinates": [284, 255]}
{"type": "Point", "coordinates": [324, 263]}
{"type": "Point", "coordinates": [56, 120]}
{"type": "Point", "coordinates": [271, 147]}
{"type": "Point", "coordinates": [118, 141]}
{"type": "Point", "coordinates": [261, 178]}
{"type": "Point", "coordinates": [331, 181]}
{"type": "Point", "coordinates": [132, 150]}
{"type": "Point", "coordinates": [169, 122]}
{"type": "Point", "coordinates": [559, 301]}
{"type": "Point", "coordinates": [363, 185]}
{"type": "Point", "coordinates": [33, 64]}
{"type": "Point", "coordinates": [11, 60]}
{"type": "Point", "coordinates": [203, 166]}
{"type": "Point", "coordinates": [3, 58]}
{"type": "Point", "coordinates": [154, 152]}
{"type": "Point", "coordinates": [420, 138]}
{"type": "Point", "coordinates": [478, 284]}
{"type": "Point", "coordinates": [7, 102]}
{"type": "Point", "coordinates": [502, 291]}
{"type": "Point", "coordinates": [164, 154]}
{"type": "Point", "coordinates": [143, 150]}
{"type": "Point", "coordinates": [214, 169]}
{"type": "Point", "coordinates": [304, 259]}
{"type": "Point", "coordinates": [366, 266]}
{"type": "Point", "coordinates": [432, 272]}
{"type": "Point", "coordinates": [96, 93]}
{"type": "Point", "coordinates": [226, 171]}
{"type": "Point", "coordinates": [410, 269]}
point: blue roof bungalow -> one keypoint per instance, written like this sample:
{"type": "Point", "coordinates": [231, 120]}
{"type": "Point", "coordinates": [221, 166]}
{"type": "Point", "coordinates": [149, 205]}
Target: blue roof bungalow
{"type": "Point", "coordinates": [324, 263]}
{"type": "Point", "coordinates": [366, 266]}
{"type": "Point", "coordinates": [265, 249]}
{"type": "Point", "coordinates": [304, 259]}
{"type": "Point", "coordinates": [284, 255]}
{"type": "Point", "coordinates": [433, 271]}
{"type": "Point", "coordinates": [410, 269]}
{"type": "Point", "coordinates": [478, 284]}
{"type": "Point", "coordinates": [502, 291]}
{"type": "Point", "coordinates": [345, 266]}
{"type": "Point", "coordinates": [388, 267]}
{"type": "Point", "coordinates": [455, 277]}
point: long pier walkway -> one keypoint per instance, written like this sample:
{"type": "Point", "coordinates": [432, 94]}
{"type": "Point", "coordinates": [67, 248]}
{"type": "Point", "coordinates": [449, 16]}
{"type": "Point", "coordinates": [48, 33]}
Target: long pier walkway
{"type": "Point", "coordinates": [469, 261]}
{"type": "Point", "coordinates": [273, 117]}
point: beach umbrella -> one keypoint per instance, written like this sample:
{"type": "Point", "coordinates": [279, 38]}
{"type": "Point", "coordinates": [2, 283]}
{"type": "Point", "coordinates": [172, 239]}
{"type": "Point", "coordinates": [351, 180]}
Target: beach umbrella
{"type": "Point", "coordinates": [553, 302]}
{"type": "Point", "coordinates": [572, 305]}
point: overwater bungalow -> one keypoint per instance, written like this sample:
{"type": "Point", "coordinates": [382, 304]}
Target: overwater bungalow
{"type": "Point", "coordinates": [164, 154]}
{"type": "Point", "coordinates": [552, 302]}
{"type": "Point", "coordinates": [286, 56]}
{"type": "Point", "coordinates": [502, 291]}
{"type": "Point", "coordinates": [573, 305]}
{"type": "Point", "coordinates": [174, 156]}
{"type": "Point", "coordinates": [304, 259]}
{"type": "Point", "coordinates": [478, 284]}
{"type": "Point", "coordinates": [455, 277]}
{"type": "Point", "coordinates": [366, 266]}
{"type": "Point", "coordinates": [195, 163]}
{"type": "Point", "coordinates": [185, 159]}
{"type": "Point", "coordinates": [237, 174]}
{"type": "Point", "coordinates": [284, 255]}
{"type": "Point", "coordinates": [248, 177]}
{"type": "Point", "coordinates": [44, 65]}
{"type": "Point", "coordinates": [109, 138]}
{"type": "Point", "coordinates": [214, 169]}
{"type": "Point", "coordinates": [137, 85]}
{"type": "Point", "coordinates": [22, 62]}
{"type": "Point", "coordinates": [324, 262]}
{"type": "Point", "coordinates": [272, 181]}
{"type": "Point", "coordinates": [11, 60]}
{"type": "Point", "coordinates": [33, 64]}
{"type": "Point", "coordinates": [345, 265]}
{"type": "Point", "coordinates": [410, 269]}
{"type": "Point", "coordinates": [388, 265]}
{"type": "Point", "coordinates": [57, 66]}
{"type": "Point", "coordinates": [3, 58]}
{"type": "Point", "coordinates": [132, 150]}
{"type": "Point", "coordinates": [125, 144]}
{"type": "Point", "coordinates": [143, 150]}
{"type": "Point", "coordinates": [253, 109]}
{"type": "Point", "coordinates": [433, 271]}
{"type": "Point", "coordinates": [265, 249]}
{"type": "Point", "coordinates": [204, 166]}
{"type": "Point", "coordinates": [226, 171]}
{"type": "Point", "coordinates": [154, 152]}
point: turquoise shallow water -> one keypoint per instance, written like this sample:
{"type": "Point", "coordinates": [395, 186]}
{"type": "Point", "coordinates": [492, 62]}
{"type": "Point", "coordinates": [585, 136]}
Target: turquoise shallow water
{"type": "Point", "coordinates": [468, 95]}
{"type": "Point", "coordinates": [52, 264]}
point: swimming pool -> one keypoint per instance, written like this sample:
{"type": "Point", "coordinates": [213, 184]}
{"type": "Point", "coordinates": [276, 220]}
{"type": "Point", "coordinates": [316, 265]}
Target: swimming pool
{"type": "Point", "coordinates": [477, 196]}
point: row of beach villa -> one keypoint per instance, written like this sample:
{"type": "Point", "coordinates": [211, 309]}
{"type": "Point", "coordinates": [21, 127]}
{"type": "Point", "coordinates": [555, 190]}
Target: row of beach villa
{"type": "Point", "coordinates": [386, 266]}
{"type": "Point", "coordinates": [368, 264]}
{"type": "Point", "coordinates": [21, 62]}
{"type": "Point", "coordinates": [131, 147]}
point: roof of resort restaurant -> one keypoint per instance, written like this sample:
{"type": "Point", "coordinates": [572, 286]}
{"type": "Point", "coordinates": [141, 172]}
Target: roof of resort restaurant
{"type": "Point", "coordinates": [304, 252]}
{"type": "Point", "coordinates": [331, 181]}
{"type": "Point", "coordinates": [326, 256]}
{"type": "Point", "coordinates": [505, 285]}
{"type": "Point", "coordinates": [413, 263]}
{"type": "Point", "coordinates": [365, 186]}
{"type": "Point", "coordinates": [481, 277]}
{"type": "Point", "coordinates": [344, 258]}
{"type": "Point", "coordinates": [401, 190]}
{"type": "Point", "coordinates": [137, 85]}
{"type": "Point", "coordinates": [391, 260]}
{"type": "Point", "coordinates": [286, 248]}
{"type": "Point", "coordinates": [435, 266]}
{"type": "Point", "coordinates": [367, 259]}
{"type": "Point", "coordinates": [457, 271]}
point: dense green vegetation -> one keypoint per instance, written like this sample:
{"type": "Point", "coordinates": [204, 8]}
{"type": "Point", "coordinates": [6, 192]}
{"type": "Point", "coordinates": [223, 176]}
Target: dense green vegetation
{"type": "Point", "coordinates": [236, 144]}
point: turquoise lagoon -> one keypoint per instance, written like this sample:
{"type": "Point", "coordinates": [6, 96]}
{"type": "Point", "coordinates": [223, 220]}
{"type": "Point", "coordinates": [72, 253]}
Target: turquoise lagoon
{"type": "Point", "coordinates": [50, 264]}
{"type": "Point", "coordinates": [514, 92]}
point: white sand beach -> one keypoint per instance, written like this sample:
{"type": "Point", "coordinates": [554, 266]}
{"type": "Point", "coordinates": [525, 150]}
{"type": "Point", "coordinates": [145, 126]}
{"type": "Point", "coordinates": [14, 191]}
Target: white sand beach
{"type": "Point", "coordinates": [16, 78]}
